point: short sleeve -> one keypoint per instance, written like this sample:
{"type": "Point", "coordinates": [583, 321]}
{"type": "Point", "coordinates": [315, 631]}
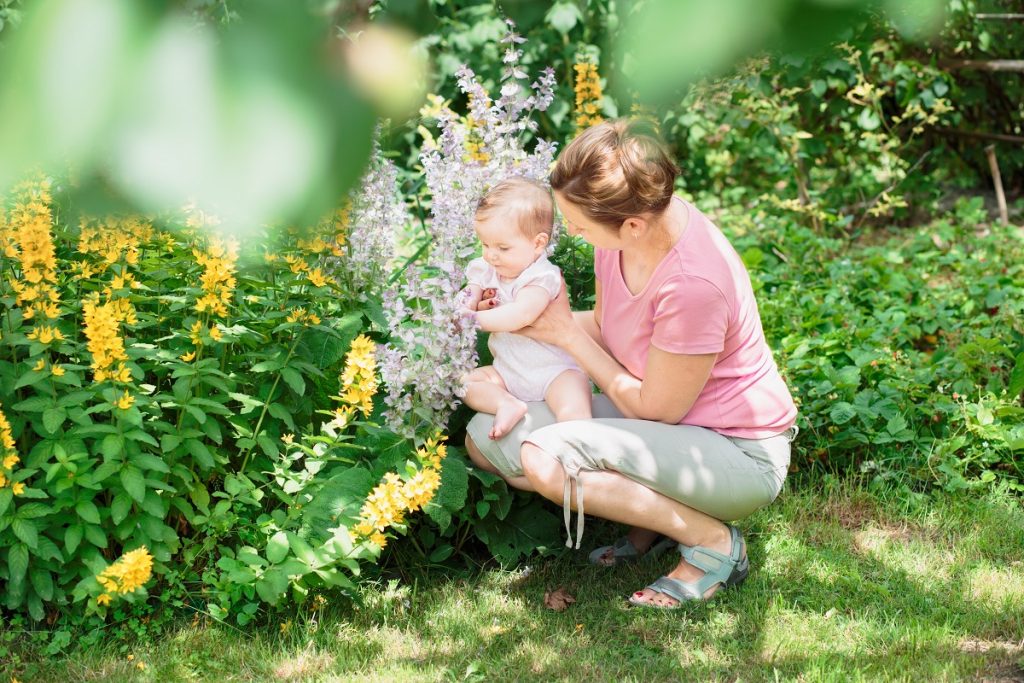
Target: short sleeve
{"type": "Point", "coordinates": [542, 274]}
{"type": "Point", "coordinates": [691, 315]}
{"type": "Point", "coordinates": [478, 273]}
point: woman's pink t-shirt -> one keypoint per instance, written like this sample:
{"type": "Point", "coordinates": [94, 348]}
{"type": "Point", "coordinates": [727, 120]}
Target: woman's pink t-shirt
{"type": "Point", "coordinates": [699, 300]}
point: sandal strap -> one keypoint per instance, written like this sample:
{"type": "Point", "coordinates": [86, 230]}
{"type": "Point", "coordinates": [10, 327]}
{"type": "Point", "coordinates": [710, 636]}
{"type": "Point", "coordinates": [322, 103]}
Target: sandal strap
{"type": "Point", "coordinates": [679, 590]}
{"type": "Point", "coordinates": [716, 566]}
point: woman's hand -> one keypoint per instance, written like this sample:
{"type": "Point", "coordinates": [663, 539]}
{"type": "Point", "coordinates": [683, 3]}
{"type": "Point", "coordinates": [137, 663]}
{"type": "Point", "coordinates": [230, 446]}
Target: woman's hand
{"type": "Point", "coordinates": [556, 324]}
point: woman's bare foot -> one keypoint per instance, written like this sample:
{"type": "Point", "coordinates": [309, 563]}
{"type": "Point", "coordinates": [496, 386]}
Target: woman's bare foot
{"type": "Point", "coordinates": [686, 572]}
{"type": "Point", "coordinates": [510, 412]}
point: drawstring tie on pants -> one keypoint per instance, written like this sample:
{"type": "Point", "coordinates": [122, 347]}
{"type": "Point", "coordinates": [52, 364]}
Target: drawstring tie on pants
{"type": "Point", "coordinates": [572, 473]}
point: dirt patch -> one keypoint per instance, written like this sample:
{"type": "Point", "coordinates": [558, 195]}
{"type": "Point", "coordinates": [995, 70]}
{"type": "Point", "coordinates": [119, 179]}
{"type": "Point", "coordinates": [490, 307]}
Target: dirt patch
{"type": "Point", "coordinates": [1007, 667]}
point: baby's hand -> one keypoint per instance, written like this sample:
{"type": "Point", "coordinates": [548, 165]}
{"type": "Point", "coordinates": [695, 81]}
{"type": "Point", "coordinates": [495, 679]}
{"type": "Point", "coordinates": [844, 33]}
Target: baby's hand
{"type": "Point", "coordinates": [488, 300]}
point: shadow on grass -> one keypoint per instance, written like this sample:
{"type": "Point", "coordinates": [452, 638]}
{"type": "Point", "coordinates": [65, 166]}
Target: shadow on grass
{"type": "Point", "coordinates": [830, 597]}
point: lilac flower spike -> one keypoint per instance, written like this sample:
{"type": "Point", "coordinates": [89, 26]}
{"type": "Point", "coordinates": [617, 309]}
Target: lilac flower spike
{"type": "Point", "coordinates": [433, 345]}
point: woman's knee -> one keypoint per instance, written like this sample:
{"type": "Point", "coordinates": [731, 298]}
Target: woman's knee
{"type": "Point", "coordinates": [542, 470]}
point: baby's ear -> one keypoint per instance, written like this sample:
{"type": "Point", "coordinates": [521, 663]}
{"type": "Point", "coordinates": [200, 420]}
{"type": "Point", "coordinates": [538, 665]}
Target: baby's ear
{"type": "Point", "coordinates": [541, 240]}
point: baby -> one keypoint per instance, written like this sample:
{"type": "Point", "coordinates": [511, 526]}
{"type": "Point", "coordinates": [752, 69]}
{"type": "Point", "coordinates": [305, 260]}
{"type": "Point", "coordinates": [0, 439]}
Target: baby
{"type": "Point", "coordinates": [513, 223]}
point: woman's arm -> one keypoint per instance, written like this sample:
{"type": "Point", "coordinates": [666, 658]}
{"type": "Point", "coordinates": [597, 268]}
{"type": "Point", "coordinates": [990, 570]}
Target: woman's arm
{"type": "Point", "coordinates": [673, 381]}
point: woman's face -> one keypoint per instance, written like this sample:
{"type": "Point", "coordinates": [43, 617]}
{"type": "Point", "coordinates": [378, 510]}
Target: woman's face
{"type": "Point", "coordinates": [579, 224]}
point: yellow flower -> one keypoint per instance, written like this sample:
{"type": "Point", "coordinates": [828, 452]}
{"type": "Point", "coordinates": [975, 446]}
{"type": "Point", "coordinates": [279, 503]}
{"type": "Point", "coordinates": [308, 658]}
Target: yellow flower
{"type": "Point", "coordinates": [10, 461]}
{"type": "Point", "coordinates": [359, 378]}
{"type": "Point", "coordinates": [40, 365]}
{"type": "Point", "coordinates": [318, 278]}
{"type": "Point", "coordinates": [288, 439]}
{"type": "Point", "coordinates": [194, 333]}
{"type": "Point", "coordinates": [32, 245]}
{"type": "Point", "coordinates": [6, 438]}
{"type": "Point", "coordinates": [57, 371]}
{"type": "Point", "coordinates": [107, 348]}
{"type": "Point", "coordinates": [125, 402]}
{"type": "Point", "coordinates": [215, 333]}
{"type": "Point", "coordinates": [218, 278]}
{"type": "Point", "coordinates": [104, 599]}
{"type": "Point", "coordinates": [18, 488]}
{"type": "Point", "coordinates": [3, 480]}
{"type": "Point", "coordinates": [188, 357]}
{"type": "Point", "coordinates": [588, 95]}
{"type": "Point", "coordinates": [45, 334]}
{"type": "Point", "coordinates": [128, 573]}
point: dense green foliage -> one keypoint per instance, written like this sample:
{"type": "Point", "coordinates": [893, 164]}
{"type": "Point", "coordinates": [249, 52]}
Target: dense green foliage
{"type": "Point", "coordinates": [904, 346]}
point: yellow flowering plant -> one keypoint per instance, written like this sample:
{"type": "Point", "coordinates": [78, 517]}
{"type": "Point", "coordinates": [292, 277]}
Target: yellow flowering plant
{"type": "Point", "coordinates": [153, 372]}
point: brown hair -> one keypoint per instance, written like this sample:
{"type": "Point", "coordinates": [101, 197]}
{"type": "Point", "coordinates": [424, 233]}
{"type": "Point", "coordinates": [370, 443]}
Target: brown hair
{"type": "Point", "coordinates": [615, 170]}
{"type": "Point", "coordinates": [524, 201]}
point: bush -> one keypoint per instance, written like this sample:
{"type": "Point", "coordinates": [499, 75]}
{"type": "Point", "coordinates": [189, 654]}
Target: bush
{"type": "Point", "coordinates": [154, 376]}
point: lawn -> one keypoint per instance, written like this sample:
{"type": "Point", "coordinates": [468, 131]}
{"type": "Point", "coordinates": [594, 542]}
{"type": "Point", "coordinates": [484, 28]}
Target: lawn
{"type": "Point", "coordinates": [846, 585]}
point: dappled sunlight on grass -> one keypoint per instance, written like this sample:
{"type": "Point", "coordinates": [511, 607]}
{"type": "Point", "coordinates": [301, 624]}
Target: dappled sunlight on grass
{"type": "Point", "coordinates": [863, 594]}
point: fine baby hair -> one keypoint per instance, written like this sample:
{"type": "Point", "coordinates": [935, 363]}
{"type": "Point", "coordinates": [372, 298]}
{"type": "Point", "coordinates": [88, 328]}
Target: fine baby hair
{"type": "Point", "coordinates": [524, 202]}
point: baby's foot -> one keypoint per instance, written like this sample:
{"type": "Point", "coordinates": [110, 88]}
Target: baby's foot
{"type": "Point", "coordinates": [508, 415]}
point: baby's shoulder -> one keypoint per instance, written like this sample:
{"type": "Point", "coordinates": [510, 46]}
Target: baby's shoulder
{"type": "Point", "coordinates": [480, 273]}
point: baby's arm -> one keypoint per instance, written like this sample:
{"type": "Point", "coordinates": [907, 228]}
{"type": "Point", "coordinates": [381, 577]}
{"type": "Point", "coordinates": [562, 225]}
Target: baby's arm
{"type": "Point", "coordinates": [529, 303]}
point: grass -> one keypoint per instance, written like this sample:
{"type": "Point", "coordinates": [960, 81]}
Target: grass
{"type": "Point", "coordinates": [845, 585]}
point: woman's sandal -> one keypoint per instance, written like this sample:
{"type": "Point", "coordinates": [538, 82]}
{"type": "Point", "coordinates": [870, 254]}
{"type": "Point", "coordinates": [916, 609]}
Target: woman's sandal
{"type": "Point", "coordinates": [728, 570]}
{"type": "Point", "coordinates": [624, 552]}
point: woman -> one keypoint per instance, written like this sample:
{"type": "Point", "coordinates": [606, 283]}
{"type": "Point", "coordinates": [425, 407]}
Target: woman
{"type": "Point", "coordinates": [694, 423]}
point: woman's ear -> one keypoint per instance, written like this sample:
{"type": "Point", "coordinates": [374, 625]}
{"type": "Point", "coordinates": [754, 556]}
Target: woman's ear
{"type": "Point", "coordinates": [632, 227]}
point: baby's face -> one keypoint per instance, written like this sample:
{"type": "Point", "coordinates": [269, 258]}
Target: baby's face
{"type": "Point", "coordinates": [506, 248]}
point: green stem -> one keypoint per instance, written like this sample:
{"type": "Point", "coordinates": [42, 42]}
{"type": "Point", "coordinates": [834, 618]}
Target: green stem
{"type": "Point", "coordinates": [266, 403]}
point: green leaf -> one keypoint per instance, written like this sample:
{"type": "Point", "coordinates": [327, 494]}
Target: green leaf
{"type": "Point", "coordinates": [17, 562]}
{"type": "Point", "coordinates": [168, 442]}
{"type": "Point", "coordinates": [442, 553]}
{"type": "Point", "coordinates": [277, 547]}
{"type": "Point", "coordinates": [6, 496]}
{"type": "Point", "coordinates": [134, 483]}
{"type": "Point", "coordinates": [148, 461]}
{"type": "Point", "coordinates": [94, 534]}
{"type": "Point", "coordinates": [43, 583]}
{"type": "Point", "coordinates": [338, 500]}
{"type": "Point", "coordinates": [53, 418]}
{"type": "Point", "coordinates": [139, 435]}
{"type": "Point", "coordinates": [72, 537]}
{"type": "Point", "coordinates": [112, 445]}
{"type": "Point", "coordinates": [563, 16]}
{"type": "Point", "coordinates": [281, 413]}
{"type": "Point", "coordinates": [87, 510]}
{"type": "Point", "coordinates": [119, 508]}
{"type": "Point", "coordinates": [294, 380]}
{"type": "Point", "coordinates": [268, 445]}
{"type": "Point", "coordinates": [201, 453]}
{"type": "Point", "coordinates": [26, 531]}
{"type": "Point", "coordinates": [267, 366]}
{"type": "Point", "coordinates": [841, 413]}
{"type": "Point", "coordinates": [1016, 383]}
{"type": "Point", "coordinates": [31, 377]}
{"type": "Point", "coordinates": [272, 586]}
{"type": "Point", "coordinates": [36, 404]}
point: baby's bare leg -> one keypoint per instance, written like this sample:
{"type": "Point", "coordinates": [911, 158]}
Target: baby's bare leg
{"type": "Point", "coordinates": [486, 393]}
{"type": "Point", "coordinates": [569, 396]}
